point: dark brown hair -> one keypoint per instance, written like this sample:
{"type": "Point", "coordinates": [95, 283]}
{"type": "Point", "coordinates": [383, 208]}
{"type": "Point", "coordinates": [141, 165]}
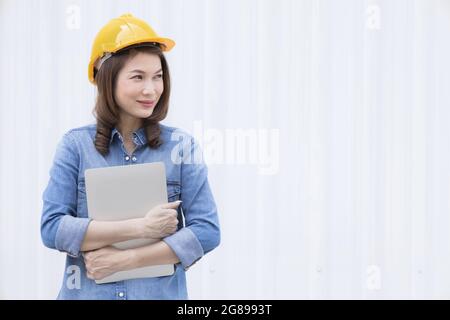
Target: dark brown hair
{"type": "Point", "coordinates": [106, 110]}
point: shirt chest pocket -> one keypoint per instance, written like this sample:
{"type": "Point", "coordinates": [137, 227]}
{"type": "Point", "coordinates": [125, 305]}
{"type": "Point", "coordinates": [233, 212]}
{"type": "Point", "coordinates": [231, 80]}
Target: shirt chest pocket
{"type": "Point", "coordinates": [174, 194]}
{"type": "Point", "coordinates": [81, 199]}
{"type": "Point", "coordinates": [173, 190]}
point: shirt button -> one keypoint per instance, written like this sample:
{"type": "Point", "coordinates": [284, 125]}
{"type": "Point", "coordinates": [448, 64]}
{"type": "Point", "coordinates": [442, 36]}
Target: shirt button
{"type": "Point", "coordinates": [134, 159]}
{"type": "Point", "coordinates": [127, 158]}
{"type": "Point", "coordinates": [121, 294]}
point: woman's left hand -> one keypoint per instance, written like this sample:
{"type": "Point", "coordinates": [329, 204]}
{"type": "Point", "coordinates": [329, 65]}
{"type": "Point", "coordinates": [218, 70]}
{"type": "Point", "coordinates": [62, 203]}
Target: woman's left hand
{"type": "Point", "coordinates": [103, 262]}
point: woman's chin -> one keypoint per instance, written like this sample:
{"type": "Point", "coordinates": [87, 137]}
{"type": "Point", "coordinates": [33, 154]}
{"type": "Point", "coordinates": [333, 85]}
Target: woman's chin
{"type": "Point", "coordinates": [144, 115]}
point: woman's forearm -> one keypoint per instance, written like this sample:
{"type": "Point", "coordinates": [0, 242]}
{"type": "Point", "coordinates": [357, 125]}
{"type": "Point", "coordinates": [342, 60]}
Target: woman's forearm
{"type": "Point", "coordinates": [104, 233]}
{"type": "Point", "coordinates": [153, 254]}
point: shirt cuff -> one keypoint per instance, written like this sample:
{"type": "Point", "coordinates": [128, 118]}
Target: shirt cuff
{"type": "Point", "coordinates": [186, 246]}
{"type": "Point", "coordinates": [70, 234]}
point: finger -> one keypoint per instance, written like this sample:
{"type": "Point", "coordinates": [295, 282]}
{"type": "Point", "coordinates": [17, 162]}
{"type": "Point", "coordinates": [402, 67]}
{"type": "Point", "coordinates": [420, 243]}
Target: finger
{"type": "Point", "coordinates": [168, 213]}
{"type": "Point", "coordinates": [172, 212]}
{"type": "Point", "coordinates": [88, 254]}
{"type": "Point", "coordinates": [174, 224]}
{"type": "Point", "coordinates": [171, 205]}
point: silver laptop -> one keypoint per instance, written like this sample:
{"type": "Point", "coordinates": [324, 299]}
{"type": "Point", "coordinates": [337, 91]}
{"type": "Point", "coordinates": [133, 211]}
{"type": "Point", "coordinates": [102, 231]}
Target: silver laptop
{"type": "Point", "coordinates": [127, 192]}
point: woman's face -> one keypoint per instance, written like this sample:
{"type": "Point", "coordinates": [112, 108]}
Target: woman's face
{"type": "Point", "coordinates": [139, 85]}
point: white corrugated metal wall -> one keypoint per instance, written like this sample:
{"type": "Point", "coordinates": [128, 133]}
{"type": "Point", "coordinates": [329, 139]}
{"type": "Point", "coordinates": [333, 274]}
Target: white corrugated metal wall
{"type": "Point", "coordinates": [339, 184]}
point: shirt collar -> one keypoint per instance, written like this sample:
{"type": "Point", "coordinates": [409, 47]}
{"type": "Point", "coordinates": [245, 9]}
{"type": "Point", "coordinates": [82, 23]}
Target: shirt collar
{"type": "Point", "coordinates": [113, 134]}
{"type": "Point", "coordinates": [139, 136]}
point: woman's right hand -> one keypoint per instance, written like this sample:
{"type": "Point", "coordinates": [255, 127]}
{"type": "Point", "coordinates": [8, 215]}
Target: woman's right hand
{"type": "Point", "coordinates": [161, 221]}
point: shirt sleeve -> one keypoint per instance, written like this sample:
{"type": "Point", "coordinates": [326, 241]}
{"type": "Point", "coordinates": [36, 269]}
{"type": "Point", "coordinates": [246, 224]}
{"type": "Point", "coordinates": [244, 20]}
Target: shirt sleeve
{"type": "Point", "coordinates": [202, 232]}
{"type": "Point", "coordinates": [61, 229]}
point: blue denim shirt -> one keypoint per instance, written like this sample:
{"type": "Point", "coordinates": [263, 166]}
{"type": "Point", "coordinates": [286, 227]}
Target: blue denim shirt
{"type": "Point", "coordinates": [65, 216]}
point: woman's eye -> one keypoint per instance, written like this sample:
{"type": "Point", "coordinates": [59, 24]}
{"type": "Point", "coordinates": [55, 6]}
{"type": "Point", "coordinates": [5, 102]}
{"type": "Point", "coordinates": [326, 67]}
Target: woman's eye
{"type": "Point", "coordinates": [159, 76]}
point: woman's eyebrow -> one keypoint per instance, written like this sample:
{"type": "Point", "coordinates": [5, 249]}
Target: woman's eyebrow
{"type": "Point", "coordinates": [143, 72]}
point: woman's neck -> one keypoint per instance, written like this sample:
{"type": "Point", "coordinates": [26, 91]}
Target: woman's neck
{"type": "Point", "coordinates": [128, 125]}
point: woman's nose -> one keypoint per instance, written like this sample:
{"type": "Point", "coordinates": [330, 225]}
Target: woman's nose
{"type": "Point", "coordinates": [148, 89]}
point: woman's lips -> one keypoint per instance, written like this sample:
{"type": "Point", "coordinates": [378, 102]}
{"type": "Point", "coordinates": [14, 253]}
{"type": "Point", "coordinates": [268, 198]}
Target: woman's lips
{"type": "Point", "coordinates": [146, 103]}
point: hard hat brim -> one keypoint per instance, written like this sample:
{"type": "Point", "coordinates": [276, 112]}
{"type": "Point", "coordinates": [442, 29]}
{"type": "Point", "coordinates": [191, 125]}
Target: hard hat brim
{"type": "Point", "coordinates": [167, 45]}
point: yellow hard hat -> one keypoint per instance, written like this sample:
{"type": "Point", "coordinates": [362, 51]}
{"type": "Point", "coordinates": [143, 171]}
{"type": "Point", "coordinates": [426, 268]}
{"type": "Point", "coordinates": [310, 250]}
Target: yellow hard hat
{"type": "Point", "coordinates": [120, 33]}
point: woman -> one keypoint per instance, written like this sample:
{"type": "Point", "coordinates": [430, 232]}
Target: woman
{"type": "Point", "coordinates": [132, 77]}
